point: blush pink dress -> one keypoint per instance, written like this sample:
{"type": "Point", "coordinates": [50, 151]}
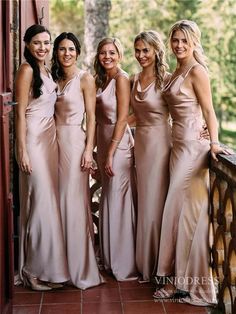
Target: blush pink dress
{"type": "Point", "coordinates": [42, 250]}
{"type": "Point", "coordinates": [184, 246]}
{"type": "Point", "coordinates": [117, 205]}
{"type": "Point", "coordinates": [152, 152]}
{"type": "Point", "coordinates": [74, 186]}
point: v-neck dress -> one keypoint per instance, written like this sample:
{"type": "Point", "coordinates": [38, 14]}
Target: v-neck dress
{"type": "Point", "coordinates": [184, 246]}
{"type": "Point", "coordinates": [117, 204]}
{"type": "Point", "coordinates": [42, 251]}
{"type": "Point", "coordinates": [74, 186]}
{"type": "Point", "coordinates": [152, 152]}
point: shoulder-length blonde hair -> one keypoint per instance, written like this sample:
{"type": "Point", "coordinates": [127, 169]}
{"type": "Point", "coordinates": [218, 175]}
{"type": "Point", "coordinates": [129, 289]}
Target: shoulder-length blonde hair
{"type": "Point", "coordinates": [193, 37]}
{"type": "Point", "coordinates": [100, 73]}
{"type": "Point", "coordinates": [154, 39]}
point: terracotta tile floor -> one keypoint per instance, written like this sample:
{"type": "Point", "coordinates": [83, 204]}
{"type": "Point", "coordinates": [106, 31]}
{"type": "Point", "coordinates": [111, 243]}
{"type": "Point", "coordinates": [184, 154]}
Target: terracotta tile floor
{"type": "Point", "coordinates": [110, 298]}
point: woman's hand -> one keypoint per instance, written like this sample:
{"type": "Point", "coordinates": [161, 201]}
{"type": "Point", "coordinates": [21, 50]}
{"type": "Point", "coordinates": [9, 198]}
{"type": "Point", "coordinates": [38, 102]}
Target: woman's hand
{"type": "Point", "coordinates": [217, 149]}
{"type": "Point", "coordinates": [87, 160]}
{"type": "Point", "coordinates": [24, 162]}
{"type": "Point", "coordinates": [204, 134]}
{"type": "Point", "coordinates": [108, 166]}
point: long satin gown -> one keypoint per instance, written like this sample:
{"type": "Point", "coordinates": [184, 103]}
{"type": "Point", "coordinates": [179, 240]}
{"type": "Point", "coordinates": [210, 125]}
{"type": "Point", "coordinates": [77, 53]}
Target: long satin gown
{"type": "Point", "coordinates": [74, 186]}
{"type": "Point", "coordinates": [184, 246]}
{"type": "Point", "coordinates": [117, 205]}
{"type": "Point", "coordinates": [152, 152]}
{"type": "Point", "coordinates": [42, 251]}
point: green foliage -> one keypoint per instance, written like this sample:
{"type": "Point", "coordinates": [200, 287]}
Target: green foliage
{"type": "Point", "coordinates": [216, 19]}
{"type": "Point", "coordinates": [67, 16]}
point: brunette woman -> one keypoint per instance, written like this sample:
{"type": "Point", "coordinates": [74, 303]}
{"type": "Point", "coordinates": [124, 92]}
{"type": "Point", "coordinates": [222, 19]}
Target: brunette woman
{"type": "Point", "coordinates": [42, 251]}
{"type": "Point", "coordinates": [76, 98]}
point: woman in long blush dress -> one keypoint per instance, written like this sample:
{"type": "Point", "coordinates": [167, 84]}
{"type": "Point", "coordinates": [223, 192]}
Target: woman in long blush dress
{"type": "Point", "coordinates": [152, 148]}
{"type": "Point", "coordinates": [115, 162]}
{"type": "Point", "coordinates": [76, 97]}
{"type": "Point", "coordinates": [42, 255]}
{"type": "Point", "coordinates": [184, 245]}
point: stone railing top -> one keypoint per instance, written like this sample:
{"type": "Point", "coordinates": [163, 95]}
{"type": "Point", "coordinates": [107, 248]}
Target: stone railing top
{"type": "Point", "coordinates": [225, 166]}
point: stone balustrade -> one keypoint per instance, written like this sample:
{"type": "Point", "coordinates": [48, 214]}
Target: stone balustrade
{"type": "Point", "coordinates": [223, 227]}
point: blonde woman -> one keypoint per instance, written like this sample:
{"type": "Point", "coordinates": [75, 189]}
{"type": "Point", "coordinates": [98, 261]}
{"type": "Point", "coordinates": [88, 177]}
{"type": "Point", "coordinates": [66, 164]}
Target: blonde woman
{"type": "Point", "coordinates": [152, 148]}
{"type": "Point", "coordinates": [115, 161]}
{"type": "Point", "coordinates": [184, 248]}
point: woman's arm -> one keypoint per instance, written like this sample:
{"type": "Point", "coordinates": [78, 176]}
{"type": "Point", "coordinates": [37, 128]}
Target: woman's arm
{"type": "Point", "coordinates": [132, 120]}
{"type": "Point", "coordinates": [123, 99]}
{"type": "Point", "coordinates": [22, 87]}
{"type": "Point", "coordinates": [89, 92]}
{"type": "Point", "coordinates": [201, 85]}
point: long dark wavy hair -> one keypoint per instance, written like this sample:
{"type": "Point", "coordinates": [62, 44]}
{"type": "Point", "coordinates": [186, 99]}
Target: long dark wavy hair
{"type": "Point", "coordinates": [29, 34]}
{"type": "Point", "coordinates": [154, 39]}
{"type": "Point", "coordinates": [100, 73]}
{"type": "Point", "coordinates": [56, 69]}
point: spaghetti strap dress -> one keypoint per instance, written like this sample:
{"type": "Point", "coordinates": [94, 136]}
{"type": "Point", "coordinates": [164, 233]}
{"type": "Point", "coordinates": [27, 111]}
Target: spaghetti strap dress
{"type": "Point", "coordinates": [184, 245]}
{"type": "Point", "coordinates": [42, 248]}
{"type": "Point", "coordinates": [117, 214]}
{"type": "Point", "coordinates": [74, 186]}
{"type": "Point", "coordinates": [152, 152]}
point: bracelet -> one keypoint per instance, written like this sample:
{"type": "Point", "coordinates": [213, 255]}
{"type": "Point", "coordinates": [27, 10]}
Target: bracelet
{"type": "Point", "coordinates": [115, 141]}
{"type": "Point", "coordinates": [214, 143]}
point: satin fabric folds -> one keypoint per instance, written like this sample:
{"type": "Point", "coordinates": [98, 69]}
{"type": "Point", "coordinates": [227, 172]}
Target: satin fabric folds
{"type": "Point", "coordinates": [152, 150]}
{"type": "Point", "coordinates": [184, 246]}
{"type": "Point", "coordinates": [117, 205]}
{"type": "Point", "coordinates": [74, 186]}
{"type": "Point", "coordinates": [42, 252]}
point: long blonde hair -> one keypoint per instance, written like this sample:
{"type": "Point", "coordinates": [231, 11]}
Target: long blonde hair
{"type": "Point", "coordinates": [100, 73]}
{"type": "Point", "coordinates": [154, 39]}
{"type": "Point", "coordinates": [193, 37]}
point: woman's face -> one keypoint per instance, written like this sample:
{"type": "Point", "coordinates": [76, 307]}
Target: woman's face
{"type": "Point", "coordinates": [108, 56]}
{"type": "Point", "coordinates": [144, 53]}
{"type": "Point", "coordinates": [180, 46]}
{"type": "Point", "coordinates": [40, 46]}
{"type": "Point", "coordinates": [66, 53]}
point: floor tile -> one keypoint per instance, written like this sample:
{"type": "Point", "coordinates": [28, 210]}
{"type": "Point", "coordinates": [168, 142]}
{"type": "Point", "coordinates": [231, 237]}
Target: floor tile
{"type": "Point", "coordinates": [178, 308]}
{"type": "Point", "coordinates": [148, 307]}
{"type": "Point", "coordinates": [19, 289]}
{"type": "Point", "coordinates": [110, 282]}
{"type": "Point", "coordinates": [69, 288]}
{"type": "Point", "coordinates": [135, 284]}
{"type": "Point", "coordinates": [128, 297]}
{"type": "Point", "coordinates": [101, 295]}
{"type": "Point", "coordinates": [26, 309]}
{"type": "Point", "coordinates": [61, 309]}
{"type": "Point", "coordinates": [136, 294]}
{"type": "Point", "coordinates": [62, 296]}
{"type": "Point", "coordinates": [27, 298]}
{"type": "Point", "coordinates": [211, 310]}
{"type": "Point", "coordinates": [102, 308]}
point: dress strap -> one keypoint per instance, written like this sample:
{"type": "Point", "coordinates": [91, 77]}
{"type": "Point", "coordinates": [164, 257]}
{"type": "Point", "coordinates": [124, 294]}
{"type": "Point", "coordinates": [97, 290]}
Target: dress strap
{"type": "Point", "coordinates": [136, 77]}
{"type": "Point", "coordinates": [192, 66]}
{"type": "Point", "coordinates": [120, 72]}
{"type": "Point", "coordinates": [81, 73]}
